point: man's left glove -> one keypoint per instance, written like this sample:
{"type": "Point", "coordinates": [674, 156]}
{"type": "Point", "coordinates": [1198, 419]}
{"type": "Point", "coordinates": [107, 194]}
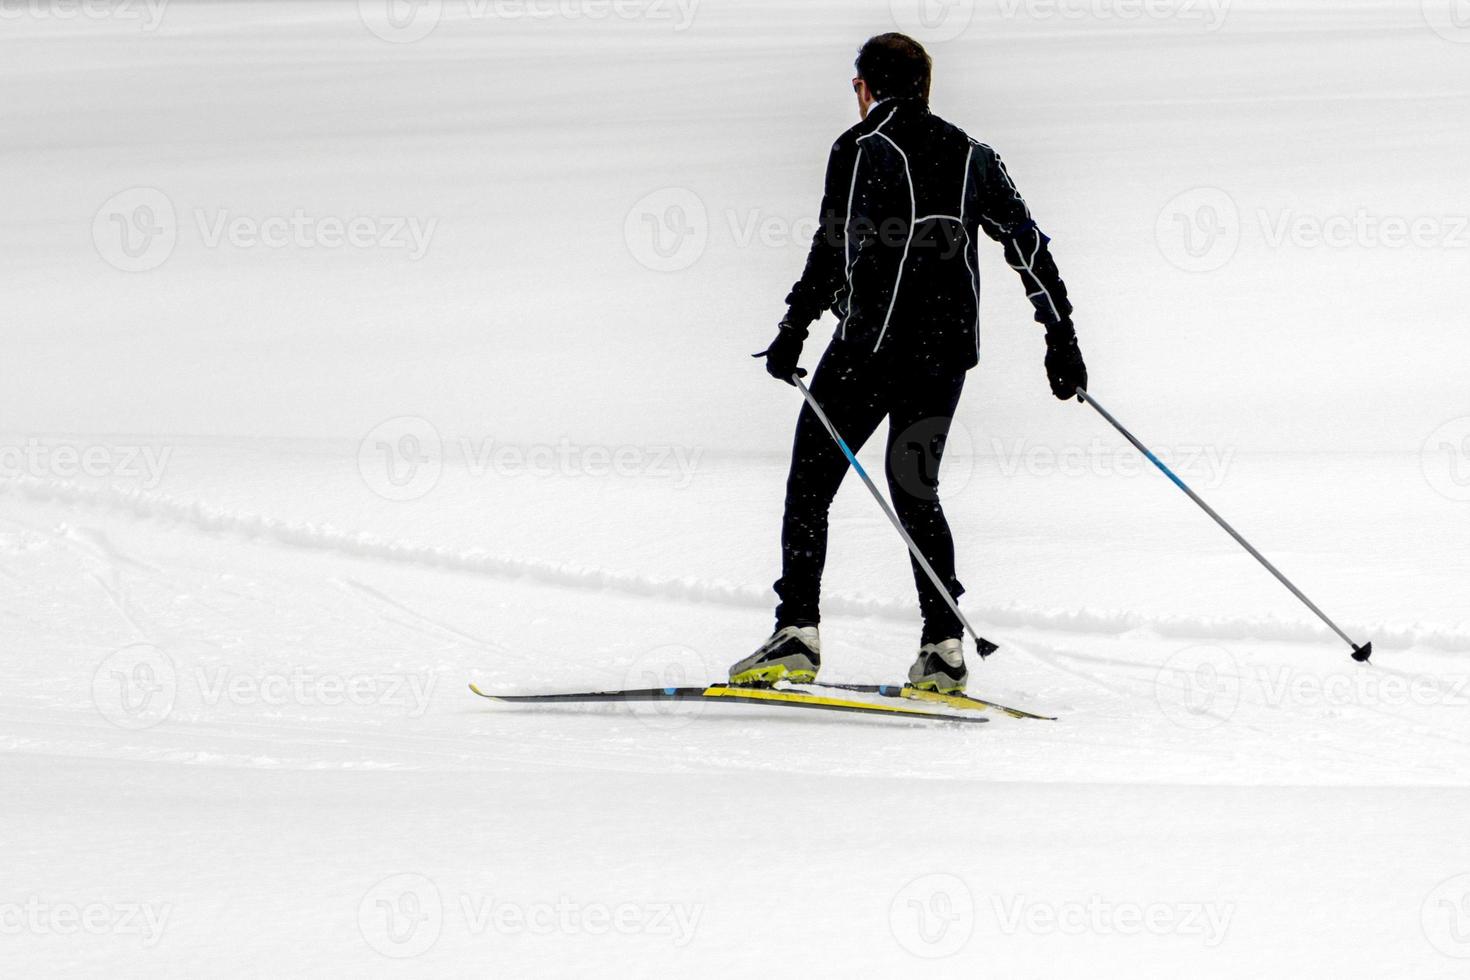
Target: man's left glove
{"type": "Point", "coordinates": [1064, 366]}
{"type": "Point", "coordinates": [785, 352]}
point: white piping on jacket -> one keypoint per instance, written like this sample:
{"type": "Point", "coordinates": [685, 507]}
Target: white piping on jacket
{"type": "Point", "coordinates": [913, 216]}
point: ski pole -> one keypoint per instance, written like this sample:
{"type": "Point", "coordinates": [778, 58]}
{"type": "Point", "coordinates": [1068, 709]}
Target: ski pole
{"type": "Point", "coordinates": [1360, 653]}
{"type": "Point", "coordinates": [983, 646]}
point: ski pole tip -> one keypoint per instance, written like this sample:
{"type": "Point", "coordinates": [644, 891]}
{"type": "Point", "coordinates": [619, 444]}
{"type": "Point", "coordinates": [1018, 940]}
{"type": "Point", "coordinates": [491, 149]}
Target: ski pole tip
{"type": "Point", "coordinates": [1362, 653]}
{"type": "Point", "coordinates": [984, 647]}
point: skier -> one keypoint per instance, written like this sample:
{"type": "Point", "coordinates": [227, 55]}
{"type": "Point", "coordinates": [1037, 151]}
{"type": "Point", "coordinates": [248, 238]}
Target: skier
{"type": "Point", "coordinates": [896, 260]}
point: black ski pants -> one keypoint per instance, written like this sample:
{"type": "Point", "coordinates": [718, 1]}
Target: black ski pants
{"type": "Point", "coordinates": [918, 397]}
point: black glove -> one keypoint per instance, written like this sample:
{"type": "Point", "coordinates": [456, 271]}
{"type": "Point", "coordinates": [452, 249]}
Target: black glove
{"type": "Point", "coordinates": [784, 353]}
{"type": "Point", "coordinates": [1064, 367]}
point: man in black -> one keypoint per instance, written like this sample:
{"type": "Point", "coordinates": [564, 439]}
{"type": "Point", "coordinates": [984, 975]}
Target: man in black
{"type": "Point", "coordinates": [895, 259]}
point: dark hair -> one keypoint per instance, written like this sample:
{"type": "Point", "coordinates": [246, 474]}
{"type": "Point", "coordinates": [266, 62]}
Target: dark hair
{"type": "Point", "coordinates": [895, 66]}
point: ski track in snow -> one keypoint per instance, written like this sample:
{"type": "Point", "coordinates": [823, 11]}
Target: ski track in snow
{"type": "Point", "coordinates": [158, 507]}
{"type": "Point", "coordinates": [1060, 677]}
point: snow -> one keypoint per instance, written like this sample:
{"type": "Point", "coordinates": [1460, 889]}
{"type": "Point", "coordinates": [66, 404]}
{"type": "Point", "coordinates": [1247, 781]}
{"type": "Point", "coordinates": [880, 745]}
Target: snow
{"type": "Point", "coordinates": [266, 509]}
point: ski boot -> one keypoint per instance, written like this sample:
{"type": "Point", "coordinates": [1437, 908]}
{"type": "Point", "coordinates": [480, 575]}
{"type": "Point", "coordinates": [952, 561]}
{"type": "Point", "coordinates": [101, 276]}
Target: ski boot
{"type": "Point", "coordinates": [792, 654]}
{"type": "Point", "coordinates": [940, 668]}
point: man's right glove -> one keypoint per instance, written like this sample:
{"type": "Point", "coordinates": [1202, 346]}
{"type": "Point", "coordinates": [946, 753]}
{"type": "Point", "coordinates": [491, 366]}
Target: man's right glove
{"type": "Point", "coordinates": [785, 352]}
{"type": "Point", "coordinates": [1064, 366]}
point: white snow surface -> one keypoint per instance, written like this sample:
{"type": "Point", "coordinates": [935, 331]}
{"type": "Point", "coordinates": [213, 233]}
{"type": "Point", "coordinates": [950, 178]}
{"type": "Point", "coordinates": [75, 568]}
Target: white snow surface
{"type": "Point", "coordinates": [265, 511]}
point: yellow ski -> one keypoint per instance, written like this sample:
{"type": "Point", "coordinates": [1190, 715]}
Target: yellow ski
{"type": "Point", "coordinates": [725, 693]}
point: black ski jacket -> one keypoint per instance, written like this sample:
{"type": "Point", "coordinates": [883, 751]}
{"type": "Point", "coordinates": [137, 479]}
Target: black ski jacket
{"type": "Point", "coordinates": [895, 257]}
